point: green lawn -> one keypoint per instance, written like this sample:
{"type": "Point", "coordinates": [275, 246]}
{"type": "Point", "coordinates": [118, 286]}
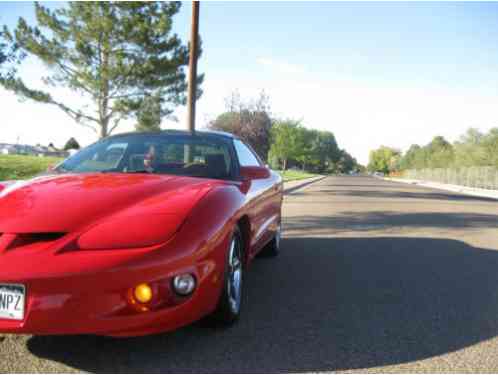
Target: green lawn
{"type": "Point", "coordinates": [292, 175]}
{"type": "Point", "coordinates": [18, 167]}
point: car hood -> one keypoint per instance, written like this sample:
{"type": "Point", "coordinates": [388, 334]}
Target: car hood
{"type": "Point", "coordinates": [71, 202]}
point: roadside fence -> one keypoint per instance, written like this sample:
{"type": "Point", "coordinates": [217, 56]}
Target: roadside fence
{"type": "Point", "coordinates": [474, 177]}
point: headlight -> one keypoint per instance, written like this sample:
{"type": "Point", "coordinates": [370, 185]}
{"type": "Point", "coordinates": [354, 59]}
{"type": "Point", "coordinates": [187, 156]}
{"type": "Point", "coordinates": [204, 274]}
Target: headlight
{"type": "Point", "coordinates": [184, 284]}
{"type": "Point", "coordinates": [130, 232]}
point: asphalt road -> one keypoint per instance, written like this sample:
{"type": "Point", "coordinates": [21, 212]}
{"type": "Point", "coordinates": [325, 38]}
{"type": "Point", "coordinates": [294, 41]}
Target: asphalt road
{"type": "Point", "coordinates": [374, 276]}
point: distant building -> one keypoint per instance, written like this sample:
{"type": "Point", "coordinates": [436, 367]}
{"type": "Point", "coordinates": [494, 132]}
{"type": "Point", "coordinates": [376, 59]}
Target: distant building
{"type": "Point", "coordinates": [38, 150]}
{"type": "Point", "coordinates": [6, 149]}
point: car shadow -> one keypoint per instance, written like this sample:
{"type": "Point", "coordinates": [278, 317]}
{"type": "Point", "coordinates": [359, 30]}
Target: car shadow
{"type": "Point", "coordinates": [325, 304]}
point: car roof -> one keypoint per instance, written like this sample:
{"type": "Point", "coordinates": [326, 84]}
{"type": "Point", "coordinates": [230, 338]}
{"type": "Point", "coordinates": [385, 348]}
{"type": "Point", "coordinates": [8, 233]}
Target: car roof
{"type": "Point", "coordinates": [209, 133]}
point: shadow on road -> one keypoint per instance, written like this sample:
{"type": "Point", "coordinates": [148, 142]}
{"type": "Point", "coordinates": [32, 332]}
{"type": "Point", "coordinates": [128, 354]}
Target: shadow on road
{"type": "Point", "coordinates": [301, 186]}
{"type": "Point", "coordinates": [394, 192]}
{"type": "Point", "coordinates": [420, 194]}
{"type": "Point", "coordinates": [374, 220]}
{"type": "Point", "coordinates": [325, 304]}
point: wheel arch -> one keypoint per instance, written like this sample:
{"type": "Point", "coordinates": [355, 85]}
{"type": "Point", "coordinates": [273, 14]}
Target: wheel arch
{"type": "Point", "coordinates": [244, 225]}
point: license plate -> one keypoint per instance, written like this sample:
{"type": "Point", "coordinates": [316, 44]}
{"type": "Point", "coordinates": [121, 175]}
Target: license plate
{"type": "Point", "coordinates": [12, 299]}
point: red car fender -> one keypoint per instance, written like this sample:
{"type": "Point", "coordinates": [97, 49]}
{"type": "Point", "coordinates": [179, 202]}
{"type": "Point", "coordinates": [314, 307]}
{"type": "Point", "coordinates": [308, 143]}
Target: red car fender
{"type": "Point", "coordinates": [214, 217]}
{"type": "Point", "coordinates": [208, 228]}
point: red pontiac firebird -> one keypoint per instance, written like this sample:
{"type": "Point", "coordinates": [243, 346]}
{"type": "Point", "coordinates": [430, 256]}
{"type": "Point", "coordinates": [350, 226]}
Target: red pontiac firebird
{"type": "Point", "coordinates": [136, 234]}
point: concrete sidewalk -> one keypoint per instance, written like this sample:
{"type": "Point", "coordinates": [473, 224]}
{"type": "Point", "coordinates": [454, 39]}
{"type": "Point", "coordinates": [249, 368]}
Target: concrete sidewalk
{"type": "Point", "coordinates": [476, 192]}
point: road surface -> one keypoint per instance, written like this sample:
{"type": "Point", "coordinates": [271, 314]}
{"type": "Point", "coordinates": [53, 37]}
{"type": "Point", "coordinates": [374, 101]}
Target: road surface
{"type": "Point", "coordinates": [374, 276]}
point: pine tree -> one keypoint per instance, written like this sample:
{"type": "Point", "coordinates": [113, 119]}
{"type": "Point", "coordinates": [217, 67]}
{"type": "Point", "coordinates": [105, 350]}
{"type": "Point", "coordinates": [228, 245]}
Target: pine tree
{"type": "Point", "coordinates": [149, 115]}
{"type": "Point", "coordinates": [114, 54]}
{"type": "Point", "coordinates": [10, 57]}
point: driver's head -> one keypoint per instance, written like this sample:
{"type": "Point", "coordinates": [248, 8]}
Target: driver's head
{"type": "Point", "coordinates": [149, 158]}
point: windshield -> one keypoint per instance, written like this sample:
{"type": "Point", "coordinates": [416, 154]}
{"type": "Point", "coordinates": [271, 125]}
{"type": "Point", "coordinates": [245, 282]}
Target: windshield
{"type": "Point", "coordinates": [185, 155]}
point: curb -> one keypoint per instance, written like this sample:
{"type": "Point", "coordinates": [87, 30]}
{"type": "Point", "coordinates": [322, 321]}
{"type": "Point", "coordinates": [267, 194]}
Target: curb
{"type": "Point", "coordinates": [475, 192]}
{"type": "Point", "coordinates": [302, 184]}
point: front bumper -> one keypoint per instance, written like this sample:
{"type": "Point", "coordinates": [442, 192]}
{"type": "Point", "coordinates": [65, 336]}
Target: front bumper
{"type": "Point", "coordinates": [93, 300]}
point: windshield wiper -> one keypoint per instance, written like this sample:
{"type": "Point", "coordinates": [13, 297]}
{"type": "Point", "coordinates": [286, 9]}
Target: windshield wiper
{"type": "Point", "coordinates": [118, 171]}
{"type": "Point", "coordinates": [139, 171]}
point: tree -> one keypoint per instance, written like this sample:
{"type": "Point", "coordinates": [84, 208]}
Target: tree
{"type": "Point", "coordinates": [346, 162]}
{"type": "Point", "coordinates": [469, 151]}
{"type": "Point", "coordinates": [287, 141]}
{"type": "Point", "coordinates": [490, 147]}
{"type": "Point", "coordinates": [3, 47]}
{"type": "Point", "coordinates": [440, 153]}
{"type": "Point", "coordinates": [72, 144]}
{"type": "Point", "coordinates": [4, 51]}
{"type": "Point", "coordinates": [409, 159]}
{"type": "Point", "coordinates": [384, 159]}
{"type": "Point", "coordinates": [325, 150]}
{"type": "Point", "coordinates": [10, 57]}
{"type": "Point", "coordinates": [305, 152]}
{"type": "Point", "coordinates": [249, 120]}
{"type": "Point", "coordinates": [316, 149]}
{"type": "Point", "coordinates": [149, 115]}
{"type": "Point", "coordinates": [113, 54]}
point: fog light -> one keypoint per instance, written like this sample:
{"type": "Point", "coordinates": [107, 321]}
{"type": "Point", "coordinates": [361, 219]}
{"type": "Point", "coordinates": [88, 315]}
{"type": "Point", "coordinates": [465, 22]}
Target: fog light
{"type": "Point", "coordinates": [143, 293]}
{"type": "Point", "coordinates": [184, 284]}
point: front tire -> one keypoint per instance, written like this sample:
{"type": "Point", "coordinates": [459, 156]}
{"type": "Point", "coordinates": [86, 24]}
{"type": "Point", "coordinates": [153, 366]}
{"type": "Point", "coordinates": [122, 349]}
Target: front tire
{"type": "Point", "coordinates": [229, 305]}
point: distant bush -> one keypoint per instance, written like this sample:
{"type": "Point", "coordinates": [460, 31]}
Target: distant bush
{"type": "Point", "coordinates": [72, 144]}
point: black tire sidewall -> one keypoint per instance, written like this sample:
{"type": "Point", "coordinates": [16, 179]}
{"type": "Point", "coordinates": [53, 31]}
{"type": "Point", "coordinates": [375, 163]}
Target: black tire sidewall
{"type": "Point", "coordinates": [224, 312]}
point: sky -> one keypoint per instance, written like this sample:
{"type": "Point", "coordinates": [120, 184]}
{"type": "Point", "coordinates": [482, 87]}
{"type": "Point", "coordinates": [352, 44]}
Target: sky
{"type": "Point", "coordinates": [374, 74]}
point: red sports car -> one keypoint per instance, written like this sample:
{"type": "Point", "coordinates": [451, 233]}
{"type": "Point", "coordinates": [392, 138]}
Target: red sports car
{"type": "Point", "coordinates": [136, 234]}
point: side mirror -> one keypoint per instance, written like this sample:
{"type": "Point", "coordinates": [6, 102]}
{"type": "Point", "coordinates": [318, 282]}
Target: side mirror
{"type": "Point", "coordinates": [254, 173]}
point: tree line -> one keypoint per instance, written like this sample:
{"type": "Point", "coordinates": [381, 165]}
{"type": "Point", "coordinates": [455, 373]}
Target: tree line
{"type": "Point", "coordinates": [472, 149]}
{"type": "Point", "coordinates": [282, 143]}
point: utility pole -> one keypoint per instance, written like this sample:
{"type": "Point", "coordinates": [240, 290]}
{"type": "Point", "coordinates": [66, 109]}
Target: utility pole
{"type": "Point", "coordinates": [192, 72]}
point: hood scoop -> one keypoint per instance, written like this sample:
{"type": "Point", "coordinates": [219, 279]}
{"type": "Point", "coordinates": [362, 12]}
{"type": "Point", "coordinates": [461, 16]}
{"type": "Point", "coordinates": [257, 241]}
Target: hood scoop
{"type": "Point", "coordinates": [20, 241]}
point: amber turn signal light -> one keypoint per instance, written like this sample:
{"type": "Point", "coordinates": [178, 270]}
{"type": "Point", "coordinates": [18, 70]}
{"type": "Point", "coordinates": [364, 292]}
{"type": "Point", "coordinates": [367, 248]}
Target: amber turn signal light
{"type": "Point", "coordinates": [143, 293]}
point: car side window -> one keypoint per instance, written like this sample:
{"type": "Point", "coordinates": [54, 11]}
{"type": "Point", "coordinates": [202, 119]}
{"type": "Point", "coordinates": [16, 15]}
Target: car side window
{"type": "Point", "coordinates": [245, 155]}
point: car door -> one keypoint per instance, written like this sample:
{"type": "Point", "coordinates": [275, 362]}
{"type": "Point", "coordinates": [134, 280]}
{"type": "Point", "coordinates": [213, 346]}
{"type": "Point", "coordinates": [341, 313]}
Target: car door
{"type": "Point", "coordinates": [263, 199]}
